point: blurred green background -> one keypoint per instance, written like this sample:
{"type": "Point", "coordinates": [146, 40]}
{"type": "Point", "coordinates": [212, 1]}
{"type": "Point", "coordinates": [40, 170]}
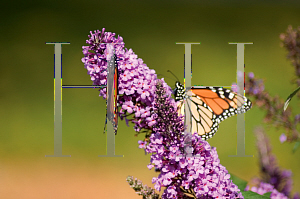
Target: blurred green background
{"type": "Point", "coordinates": [151, 29]}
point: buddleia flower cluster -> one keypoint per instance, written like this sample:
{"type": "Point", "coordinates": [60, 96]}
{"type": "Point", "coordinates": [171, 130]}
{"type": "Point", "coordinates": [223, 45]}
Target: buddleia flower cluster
{"type": "Point", "coordinates": [196, 174]}
{"type": "Point", "coordinates": [136, 80]}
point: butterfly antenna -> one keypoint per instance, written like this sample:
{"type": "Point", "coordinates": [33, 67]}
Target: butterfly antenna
{"type": "Point", "coordinates": [173, 75]}
{"type": "Point", "coordinates": [166, 76]}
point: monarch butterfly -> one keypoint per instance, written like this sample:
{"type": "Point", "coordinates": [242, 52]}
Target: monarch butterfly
{"type": "Point", "coordinates": [112, 83]}
{"type": "Point", "coordinates": [209, 106]}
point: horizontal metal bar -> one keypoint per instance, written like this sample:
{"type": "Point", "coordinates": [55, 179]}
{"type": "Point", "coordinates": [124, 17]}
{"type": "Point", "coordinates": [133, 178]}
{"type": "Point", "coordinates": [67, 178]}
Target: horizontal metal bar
{"type": "Point", "coordinates": [83, 86]}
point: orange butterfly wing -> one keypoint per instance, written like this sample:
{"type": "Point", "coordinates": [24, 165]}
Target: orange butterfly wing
{"type": "Point", "coordinates": [215, 102]}
{"type": "Point", "coordinates": [211, 105]}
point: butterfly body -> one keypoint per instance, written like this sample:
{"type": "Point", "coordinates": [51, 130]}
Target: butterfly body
{"type": "Point", "coordinates": [208, 107]}
{"type": "Point", "coordinates": [112, 94]}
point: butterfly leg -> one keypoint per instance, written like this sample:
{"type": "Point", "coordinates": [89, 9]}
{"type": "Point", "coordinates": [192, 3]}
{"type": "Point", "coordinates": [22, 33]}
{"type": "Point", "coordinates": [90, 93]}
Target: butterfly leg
{"type": "Point", "coordinates": [105, 124]}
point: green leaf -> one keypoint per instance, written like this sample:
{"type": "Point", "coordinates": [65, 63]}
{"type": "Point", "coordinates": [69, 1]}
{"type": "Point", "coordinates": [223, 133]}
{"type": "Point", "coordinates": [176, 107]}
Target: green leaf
{"type": "Point", "coordinates": [239, 182]}
{"type": "Point", "coordinates": [290, 98]}
{"type": "Point", "coordinates": [268, 194]}
{"type": "Point", "coordinates": [253, 195]}
{"type": "Point", "coordinates": [296, 146]}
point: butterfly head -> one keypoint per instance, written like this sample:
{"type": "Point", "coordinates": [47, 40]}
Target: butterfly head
{"type": "Point", "coordinates": [179, 91]}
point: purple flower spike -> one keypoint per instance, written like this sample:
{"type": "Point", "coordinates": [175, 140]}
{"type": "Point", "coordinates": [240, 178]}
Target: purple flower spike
{"type": "Point", "coordinates": [273, 105]}
{"type": "Point", "coordinates": [136, 81]}
{"type": "Point", "coordinates": [271, 175]}
{"type": "Point", "coordinates": [199, 175]}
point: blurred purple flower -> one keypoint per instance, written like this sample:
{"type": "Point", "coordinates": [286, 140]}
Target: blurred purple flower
{"type": "Point", "coordinates": [296, 196]}
{"type": "Point", "coordinates": [265, 188]}
{"type": "Point", "coordinates": [282, 138]}
{"type": "Point", "coordinates": [251, 75]}
{"type": "Point", "coordinates": [240, 75]}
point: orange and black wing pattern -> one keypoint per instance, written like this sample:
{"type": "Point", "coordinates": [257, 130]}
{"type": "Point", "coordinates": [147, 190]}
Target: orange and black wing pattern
{"type": "Point", "coordinates": [209, 106]}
